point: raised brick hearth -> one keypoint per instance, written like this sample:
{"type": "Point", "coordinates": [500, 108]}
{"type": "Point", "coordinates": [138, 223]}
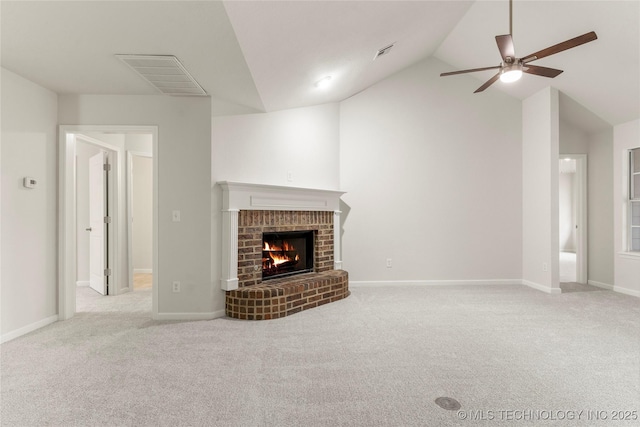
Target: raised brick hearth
{"type": "Point", "coordinates": [282, 297]}
{"type": "Point", "coordinates": [249, 210]}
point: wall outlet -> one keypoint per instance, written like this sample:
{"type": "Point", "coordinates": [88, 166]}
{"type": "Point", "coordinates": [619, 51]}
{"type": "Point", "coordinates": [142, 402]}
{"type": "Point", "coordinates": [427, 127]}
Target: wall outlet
{"type": "Point", "coordinates": [176, 286]}
{"type": "Point", "coordinates": [545, 267]}
{"type": "Point", "coordinates": [175, 216]}
{"type": "Point", "coordinates": [290, 176]}
{"type": "Point", "coordinates": [389, 263]}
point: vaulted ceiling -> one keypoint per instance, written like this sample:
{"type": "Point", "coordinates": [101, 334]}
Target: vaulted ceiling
{"type": "Point", "coordinates": [267, 55]}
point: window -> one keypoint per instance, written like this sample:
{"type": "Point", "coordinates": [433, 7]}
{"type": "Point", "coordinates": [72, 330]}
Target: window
{"type": "Point", "coordinates": [634, 199]}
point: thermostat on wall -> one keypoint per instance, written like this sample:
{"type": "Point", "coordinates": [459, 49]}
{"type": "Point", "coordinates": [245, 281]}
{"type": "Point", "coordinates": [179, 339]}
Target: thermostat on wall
{"type": "Point", "coordinates": [29, 182]}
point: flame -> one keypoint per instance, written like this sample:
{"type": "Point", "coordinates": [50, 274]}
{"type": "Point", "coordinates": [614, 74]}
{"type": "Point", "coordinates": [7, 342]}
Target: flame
{"type": "Point", "coordinates": [286, 246]}
{"type": "Point", "coordinates": [279, 259]}
{"type": "Point", "coordinates": [278, 254]}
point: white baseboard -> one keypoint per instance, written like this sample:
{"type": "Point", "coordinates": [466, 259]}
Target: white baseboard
{"type": "Point", "coordinates": [600, 284]}
{"type": "Point", "coordinates": [626, 291]}
{"type": "Point", "coordinates": [83, 283]}
{"type": "Point", "coordinates": [142, 271]}
{"type": "Point", "coordinates": [191, 316]}
{"type": "Point", "coordinates": [540, 287]}
{"type": "Point", "coordinates": [383, 283]}
{"type": "Point", "coordinates": [29, 328]}
{"type": "Point", "coordinates": [620, 289]}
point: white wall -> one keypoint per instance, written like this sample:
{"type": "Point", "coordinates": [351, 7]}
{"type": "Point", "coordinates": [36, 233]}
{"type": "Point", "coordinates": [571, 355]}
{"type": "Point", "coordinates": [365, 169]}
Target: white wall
{"type": "Point", "coordinates": [142, 201]}
{"type": "Point", "coordinates": [262, 148]}
{"type": "Point", "coordinates": [29, 216]}
{"type": "Point", "coordinates": [601, 203]}
{"type": "Point", "coordinates": [540, 151]}
{"type": "Point", "coordinates": [84, 151]}
{"type": "Point", "coordinates": [433, 182]}
{"type": "Point", "coordinates": [598, 147]}
{"type": "Point", "coordinates": [184, 169]}
{"type": "Point", "coordinates": [627, 266]}
{"type": "Point", "coordinates": [140, 142]}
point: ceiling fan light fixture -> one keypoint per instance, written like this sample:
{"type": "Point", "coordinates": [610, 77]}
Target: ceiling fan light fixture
{"type": "Point", "coordinates": [511, 73]}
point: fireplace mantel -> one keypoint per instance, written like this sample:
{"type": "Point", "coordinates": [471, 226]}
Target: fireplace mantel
{"type": "Point", "coordinates": [243, 196]}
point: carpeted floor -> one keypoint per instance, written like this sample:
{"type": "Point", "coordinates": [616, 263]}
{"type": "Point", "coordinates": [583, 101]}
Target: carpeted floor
{"type": "Point", "coordinates": [509, 354]}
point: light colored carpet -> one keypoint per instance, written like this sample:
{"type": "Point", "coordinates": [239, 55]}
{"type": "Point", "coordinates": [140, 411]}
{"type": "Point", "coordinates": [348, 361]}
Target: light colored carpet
{"type": "Point", "coordinates": [378, 358]}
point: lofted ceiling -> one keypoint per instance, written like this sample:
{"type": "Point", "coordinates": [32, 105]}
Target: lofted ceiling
{"type": "Point", "coordinates": [266, 55]}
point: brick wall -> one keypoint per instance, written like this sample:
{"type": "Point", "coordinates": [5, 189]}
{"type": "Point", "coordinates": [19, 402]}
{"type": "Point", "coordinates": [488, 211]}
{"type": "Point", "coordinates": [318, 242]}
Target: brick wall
{"type": "Point", "coordinates": [251, 225]}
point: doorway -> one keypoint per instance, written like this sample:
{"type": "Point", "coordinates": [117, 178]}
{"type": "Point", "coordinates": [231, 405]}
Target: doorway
{"type": "Point", "coordinates": [572, 194]}
{"type": "Point", "coordinates": [117, 247]}
{"type": "Point", "coordinates": [140, 219]}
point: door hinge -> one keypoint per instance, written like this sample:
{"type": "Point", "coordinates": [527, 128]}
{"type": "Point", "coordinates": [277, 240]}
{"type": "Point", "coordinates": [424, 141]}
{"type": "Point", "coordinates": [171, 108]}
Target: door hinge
{"type": "Point", "coordinates": [107, 167]}
{"type": "Point", "coordinates": [107, 220]}
{"type": "Point", "coordinates": [107, 272]}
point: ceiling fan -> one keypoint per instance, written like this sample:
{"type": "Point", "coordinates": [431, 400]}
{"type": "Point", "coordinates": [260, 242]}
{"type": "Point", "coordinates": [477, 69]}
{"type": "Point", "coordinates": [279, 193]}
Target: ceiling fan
{"type": "Point", "coordinates": [511, 68]}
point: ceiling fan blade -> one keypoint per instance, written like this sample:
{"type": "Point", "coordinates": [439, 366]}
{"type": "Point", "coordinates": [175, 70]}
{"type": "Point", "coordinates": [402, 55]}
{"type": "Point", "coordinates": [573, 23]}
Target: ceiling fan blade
{"type": "Point", "coordinates": [505, 45]}
{"type": "Point", "coordinates": [489, 82]}
{"type": "Point", "coordinates": [541, 71]}
{"type": "Point", "coordinates": [576, 41]}
{"type": "Point", "coordinates": [472, 70]}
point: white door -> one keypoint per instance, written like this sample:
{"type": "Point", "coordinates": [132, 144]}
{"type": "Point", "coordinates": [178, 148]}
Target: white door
{"type": "Point", "coordinates": [98, 230]}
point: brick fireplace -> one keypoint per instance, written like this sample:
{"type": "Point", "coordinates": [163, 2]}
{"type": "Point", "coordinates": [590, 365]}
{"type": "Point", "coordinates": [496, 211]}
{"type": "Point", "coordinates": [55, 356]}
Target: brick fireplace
{"type": "Point", "coordinates": [250, 211]}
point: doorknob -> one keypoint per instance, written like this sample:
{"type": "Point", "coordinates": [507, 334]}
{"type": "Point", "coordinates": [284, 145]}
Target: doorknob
{"type": "Point", "coordinates": [88, 229]}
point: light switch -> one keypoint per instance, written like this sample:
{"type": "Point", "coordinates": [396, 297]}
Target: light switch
{"type": "Point", "coordinates": [175, 216]}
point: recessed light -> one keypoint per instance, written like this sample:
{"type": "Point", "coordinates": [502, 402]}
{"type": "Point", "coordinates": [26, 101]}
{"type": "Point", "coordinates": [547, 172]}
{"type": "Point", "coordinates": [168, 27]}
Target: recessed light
{"type": "Point", "coordinates": [323, 83]}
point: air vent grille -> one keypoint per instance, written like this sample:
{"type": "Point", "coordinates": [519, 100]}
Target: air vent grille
{"type": "Point", "coordinates": [383, 51]}
{"type": "Point", "coordinates": [165, 73]}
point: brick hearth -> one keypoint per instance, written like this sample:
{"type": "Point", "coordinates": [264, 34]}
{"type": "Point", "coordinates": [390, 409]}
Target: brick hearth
{"type": "Point", "coordinates": [282, 297]}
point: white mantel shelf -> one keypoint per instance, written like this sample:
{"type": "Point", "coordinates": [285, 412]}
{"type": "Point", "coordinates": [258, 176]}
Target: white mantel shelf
{"type": "Point", "coordinates": [243, 196]}
{"type": "Point", "coordinates": [237, 196]}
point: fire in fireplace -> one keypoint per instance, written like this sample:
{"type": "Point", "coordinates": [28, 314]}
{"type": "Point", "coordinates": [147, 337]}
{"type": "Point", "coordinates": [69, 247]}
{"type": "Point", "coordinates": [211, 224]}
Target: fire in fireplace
{"type": "Point", "coordinates": [287, 253]}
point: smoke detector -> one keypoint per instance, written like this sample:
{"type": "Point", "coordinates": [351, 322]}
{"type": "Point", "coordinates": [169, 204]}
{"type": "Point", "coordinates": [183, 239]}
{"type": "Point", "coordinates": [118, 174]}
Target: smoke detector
{"type": "Point", "coordinates": [165, 73]}
{"type": "Point", "coordinates": [383, 51]}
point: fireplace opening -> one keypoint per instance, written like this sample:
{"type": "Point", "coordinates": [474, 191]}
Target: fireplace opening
{"type": "Point", "coordinates": [287, 253]}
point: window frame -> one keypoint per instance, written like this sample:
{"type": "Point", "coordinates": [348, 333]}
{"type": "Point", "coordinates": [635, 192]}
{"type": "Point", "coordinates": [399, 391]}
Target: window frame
{"type": "Point", "coordinates": [631, 200]}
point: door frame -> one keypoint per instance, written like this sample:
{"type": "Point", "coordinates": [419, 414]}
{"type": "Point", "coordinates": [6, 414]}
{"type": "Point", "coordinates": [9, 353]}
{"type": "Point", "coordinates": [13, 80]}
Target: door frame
{"type": "Point", "coordinates": [67, 213]}
{"type": "Point", "coordinates": [130, 154]}
{"type": "Point", "coordinates": [582, 255]}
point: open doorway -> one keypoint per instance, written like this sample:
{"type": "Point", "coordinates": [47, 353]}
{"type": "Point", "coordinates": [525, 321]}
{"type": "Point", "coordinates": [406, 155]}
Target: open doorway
{"type": "Point", "coordinates": [140, 219]}
{"type": "Point", "coordinates": [114, 142]}
{"type": "Point", "coordinates": [572, 193]}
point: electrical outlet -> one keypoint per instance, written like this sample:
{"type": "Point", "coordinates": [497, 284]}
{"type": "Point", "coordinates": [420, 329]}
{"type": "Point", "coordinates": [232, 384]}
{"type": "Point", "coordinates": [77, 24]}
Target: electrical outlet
{"type": "Point", "coordinates": [176, 286]}
{"type": "Point", "coordinates": [175, 216]}
{"type": "Point", "coordinates": [290, 176]}
{"type": "Point", "coordinates": [545, 267]}
{"type": "Point", "coordinates": [388, 262]}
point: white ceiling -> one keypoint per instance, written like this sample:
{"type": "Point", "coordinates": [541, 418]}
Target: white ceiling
{"type": "Point", "coordinates": [267, 55]}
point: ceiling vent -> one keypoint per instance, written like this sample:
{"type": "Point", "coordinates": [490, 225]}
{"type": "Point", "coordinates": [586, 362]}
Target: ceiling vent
{"type": "Point", "coordinates": [165, 73]}
{"type": "Point", "coordinates": [383, 51]}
